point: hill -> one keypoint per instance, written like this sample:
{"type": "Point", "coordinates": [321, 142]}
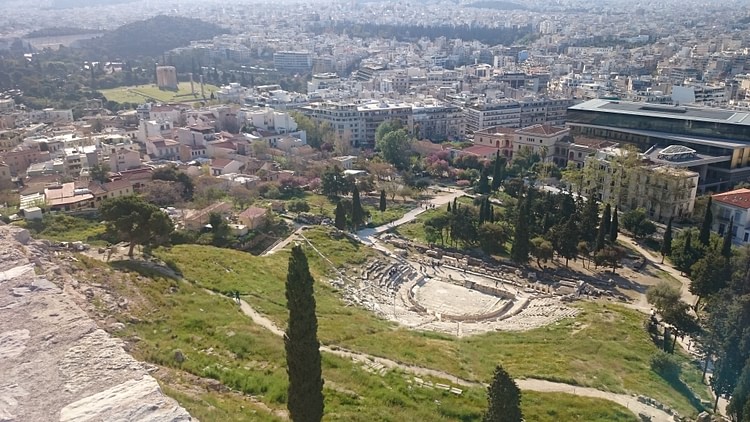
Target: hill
{"type": "Point", "coordinates": [152, 37]}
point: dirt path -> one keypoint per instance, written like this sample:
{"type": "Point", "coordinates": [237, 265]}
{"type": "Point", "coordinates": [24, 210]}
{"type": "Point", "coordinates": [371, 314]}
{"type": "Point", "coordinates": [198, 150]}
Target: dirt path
{"type": "Point", "coordinates": [529, 384]}
{"type": "Point", "coordinates": [656, 262]}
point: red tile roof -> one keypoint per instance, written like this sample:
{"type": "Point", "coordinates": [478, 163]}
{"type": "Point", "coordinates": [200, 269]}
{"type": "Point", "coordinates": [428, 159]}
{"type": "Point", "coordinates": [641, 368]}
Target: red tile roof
{"type": "Point", "coordinates": [253, 212]}
{"type": "Point", "coordinates": [480, 150]}
{"type": "Point", "coordinates": [739, 198]}
{"type": "Point", "coordinates": [220, 163]}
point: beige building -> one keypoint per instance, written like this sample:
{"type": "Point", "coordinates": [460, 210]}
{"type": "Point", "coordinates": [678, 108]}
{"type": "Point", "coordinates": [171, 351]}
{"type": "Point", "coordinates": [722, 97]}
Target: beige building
{"type": "Point", "coordinates": [253, 217]}
{"type": "Point", "coordinates": [124, 160]}
{"type": "Point", "coordinates": [544, 140]}
{"type": "Point", "coordinates": [631, 182]}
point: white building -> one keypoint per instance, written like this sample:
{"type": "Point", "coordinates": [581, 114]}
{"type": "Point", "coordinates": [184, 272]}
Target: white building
{"type": "Point", "coordinates": [154, 128]}
{"type": "Point", "coordinates": [732, 206]}
{"type": "Point", "coordinates": [292, 60]}
{"type": "Point", "coordinates": [483, 115]}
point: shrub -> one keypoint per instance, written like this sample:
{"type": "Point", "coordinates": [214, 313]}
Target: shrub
{"type": "Point", "coordinates": [666, 365]}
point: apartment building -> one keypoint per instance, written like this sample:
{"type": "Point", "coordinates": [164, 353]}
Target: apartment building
{"type": "Point", "coordinates": [292, 60]}
{"type": "Point", "coordinates": [438, 121]}
{"type": "Point", "coordinates": [375, 113]}
{"type": "Point", "coordinates": [482, 115]}
{"type": "Point", "coordinates": [343, 118]}
{"type": "Point", "coordinates": [359, 121]}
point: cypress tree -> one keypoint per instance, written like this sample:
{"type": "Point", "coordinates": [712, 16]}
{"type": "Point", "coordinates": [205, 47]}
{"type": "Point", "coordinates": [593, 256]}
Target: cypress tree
{"type": "Point", "coordinates": [589, 220]}
{"type": "Point", "coordinates": [305, 391]}
{"type": "Point", "coordinates": [607, 218]}
{"type": "Point", "coordinates": [604, 224]}
{"type": "Point", "coordinates": [484, 184]}
{"type": "Point", "coordinates": [503, 398]}
{"type": "Point", "coordinates": [382, 201]}
{"type": "Point", "coordinates": [455, 205]}
{"type": "Point", "coordinates": [492, 213]}
{"type": "Point", "coordinates": [449, 207]}
{"type": "Point", "coordinates": [568, 242]}
{"type": "Point", "coordinates": [482, 212]}
{"type": "Point", "coordinates": [708, 220]}
{"type": "Point", "coordinates": [358, 214]}
{"type": "Point", "coordinates": [726, 247]}
{"type": "Point", "coordinates": [340, 217]}
{"type": "Point", "coordinates": [519, 251]}
{"type": "Point", "coordinates": [613, 227]}
{"type": "Point", "coordinates": [666, 243]}
{"type": "Point", "coordinates": [498, 171]}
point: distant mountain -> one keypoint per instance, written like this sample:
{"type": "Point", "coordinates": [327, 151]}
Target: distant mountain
{"type": "Point", "coordinates": [497, 5]}
{"type": "Point", "coordinates": [70, 4]}
{"type": "Point", "coordinates": [152, 37]}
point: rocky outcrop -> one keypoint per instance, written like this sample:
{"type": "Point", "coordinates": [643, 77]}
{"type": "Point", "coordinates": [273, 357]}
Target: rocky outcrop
{"type": "Point", "coordinates": [56, 364]}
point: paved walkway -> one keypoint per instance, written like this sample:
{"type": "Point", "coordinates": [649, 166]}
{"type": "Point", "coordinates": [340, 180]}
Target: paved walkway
{"type": "Point", "coordinates": [365, 235]}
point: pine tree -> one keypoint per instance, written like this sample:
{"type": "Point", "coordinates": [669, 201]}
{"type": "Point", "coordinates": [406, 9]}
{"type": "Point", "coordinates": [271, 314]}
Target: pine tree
{"type": "Point", "coordinates": [382, 201]}
{"type": "Point", "coordinates": [340, 217]}
{"type": "Point", "coordinates": [613, 227]}
{"type": "Point", "coordinates": [666, 243]}
{"type": "Point", "coordinates": [503, 398]}
{"type": "Point", "coordinates": [519, 251]}
{"type": "Point", "coordinates": [726, 247]}
{"type": "Point", "coordinates": [603, 230]}
{"type": "Point", "coordinates": [484, 184]}
{"type": "Point", "coordinates": [305, 391]}
{"type": "Point", "coordinates": [708, 220]}
{"type": "Point", "coordinates": [498, 171]}
{"type": "Point", "coordinates": [358, 214]}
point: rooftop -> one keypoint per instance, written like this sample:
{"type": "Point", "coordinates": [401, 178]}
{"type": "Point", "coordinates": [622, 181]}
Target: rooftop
{"type": "Point", "coordinates": [705, 114]}
{"type": "Point", "coordinates": [737, 198]}
{"type": "Point", "coordinates": [544, 130]}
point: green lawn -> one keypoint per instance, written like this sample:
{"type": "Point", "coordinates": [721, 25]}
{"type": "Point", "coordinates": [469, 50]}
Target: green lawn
{"type": "Point", "coordinates": [415, 229]}
{"type": "Point", "coordinates": [221, 343]}
{"type": "Point", "coordinates": [141, 93]}
{"type": "Point", "coordinates": [66, 228]}
{"type": "Point", "coordinates": [605, 347]}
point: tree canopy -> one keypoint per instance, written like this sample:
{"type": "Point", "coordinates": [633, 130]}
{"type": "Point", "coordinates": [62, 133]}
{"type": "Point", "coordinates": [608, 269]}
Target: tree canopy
{"type": "Point", "coordinates": [394, 145]}
{"type": "Point", "coordinates": [136, 221]}
{"type": "Point", "coordinates": [504, 399]}
{"type": "Point", "coordinates": [305, 391]}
